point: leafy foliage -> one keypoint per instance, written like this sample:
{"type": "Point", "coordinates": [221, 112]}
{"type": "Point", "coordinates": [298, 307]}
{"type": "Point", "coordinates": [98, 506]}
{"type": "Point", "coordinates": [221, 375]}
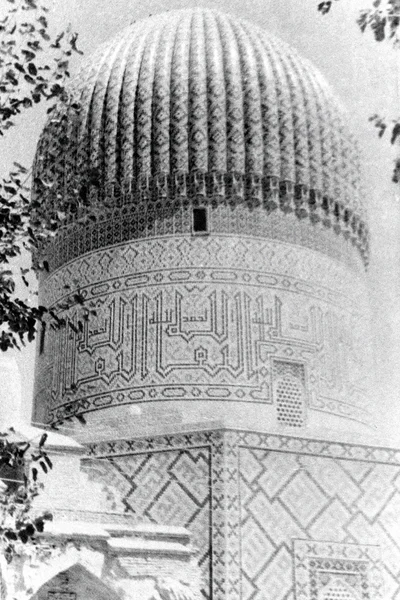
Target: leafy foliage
{"type": "Point", "coordinates": [19, 468]}
{"type": "Point", "coordinates": [34, 67]}
{"type": "Point", "coordinates": [325, 7]}
{"type": "Point", "coordinates": [383, 20]}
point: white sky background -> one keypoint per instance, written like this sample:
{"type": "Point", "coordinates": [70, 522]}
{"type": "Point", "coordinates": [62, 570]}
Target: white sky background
{"type": "Point", "coordinates": [363, 73]}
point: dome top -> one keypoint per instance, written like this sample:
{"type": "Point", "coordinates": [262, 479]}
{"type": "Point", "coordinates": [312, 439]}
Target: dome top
{"type": "Point", "coordinates": [196, 99]}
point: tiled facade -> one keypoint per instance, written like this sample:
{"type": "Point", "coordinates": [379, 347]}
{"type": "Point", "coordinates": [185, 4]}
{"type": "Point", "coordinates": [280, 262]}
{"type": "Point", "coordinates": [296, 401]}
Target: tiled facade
{"type": "Point", "coordinates": [289, 516]}
{"type": "Point", "coordinates": [260, 321]}
{"type": "Point", "coordinates": [218, 318]}
{"type": "Point", "coordinates": [195, 105]}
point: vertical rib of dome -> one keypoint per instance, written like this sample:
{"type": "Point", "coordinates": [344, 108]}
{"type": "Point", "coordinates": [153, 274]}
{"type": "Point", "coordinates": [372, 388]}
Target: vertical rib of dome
{"type": "Point", "coordinates": [161, 101]}
{"type": "Point", "coordinates": [345, 158]}
{"type": "Point", "coordinates": [194, 105]}
{"type": "Point", "coordinates": [198, 121]}
{"type": "Point", "coordinates": [312, 118]}
{"type": "Point", "coordinates": [268, 106]}
{"type": "Point", "coordinates": [111, 110]}
{"type": "Point", "coordinates": [355, 180]}
{"type": "Point", "coordinates": [99, 113]}
{"type": "Point", "coordinates": [251, 103]}
{"type": "Point", "coordinates": [128, 100]}
{"type": "Point", "coordinates": [86, 85]}
{"type": "Point", "coordinates": [300, 133]}
{"type": "Point", "coordinates": [234, 97]}
{"type": "Point", "coordinates": [179, 86]}
{"type": "Point", "coordinates": [331, 114]}
{"type": "Point", "coordinates": [285, 116]}
{"type": "Point", "coordinates": [216, 97]}
{"type": "Point", "coordinates": [144, 104]}
{"type": "Point", "coordinates": [325, 137]}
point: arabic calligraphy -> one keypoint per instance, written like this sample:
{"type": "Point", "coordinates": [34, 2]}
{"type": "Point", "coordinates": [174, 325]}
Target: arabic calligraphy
{"type": "Point", "coordinates": [219, 335]}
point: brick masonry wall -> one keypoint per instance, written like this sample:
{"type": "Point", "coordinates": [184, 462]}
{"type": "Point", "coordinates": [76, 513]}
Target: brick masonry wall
{"type": "Point", "coordinates": [169, 487]}
{"type": "Point", "coordinates": [290, 496]}
{"type": "Point", "coordinates": [289, 517]}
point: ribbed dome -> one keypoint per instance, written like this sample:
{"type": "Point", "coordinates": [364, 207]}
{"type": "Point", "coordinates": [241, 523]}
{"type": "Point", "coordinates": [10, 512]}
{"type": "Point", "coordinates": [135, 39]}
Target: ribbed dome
{"type": "Point", "coordinates": [199, 100]}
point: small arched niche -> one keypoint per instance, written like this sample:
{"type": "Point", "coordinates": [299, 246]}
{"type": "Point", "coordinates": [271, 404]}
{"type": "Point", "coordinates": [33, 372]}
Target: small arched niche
{"type": "Point", "coordinates": [75, 583]}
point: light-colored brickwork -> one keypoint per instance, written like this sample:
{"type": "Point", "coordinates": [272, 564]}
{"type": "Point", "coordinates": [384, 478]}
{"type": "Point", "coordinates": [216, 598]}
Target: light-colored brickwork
{"type": "Point", "coordinates": [280, 509]}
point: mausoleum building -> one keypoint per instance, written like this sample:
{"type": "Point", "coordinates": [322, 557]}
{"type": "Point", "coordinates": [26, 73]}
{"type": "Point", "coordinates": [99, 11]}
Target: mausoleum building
{"type": "Point", "coordinates": [216, 238]}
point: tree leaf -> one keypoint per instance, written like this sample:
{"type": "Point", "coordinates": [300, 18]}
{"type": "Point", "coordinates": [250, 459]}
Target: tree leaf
{"type": "Point", "coordinates": [44, 466]}
{"type": "Point", "coordinates": [395, 133]}
{"type": "Point", "coordinates": [32, 69]}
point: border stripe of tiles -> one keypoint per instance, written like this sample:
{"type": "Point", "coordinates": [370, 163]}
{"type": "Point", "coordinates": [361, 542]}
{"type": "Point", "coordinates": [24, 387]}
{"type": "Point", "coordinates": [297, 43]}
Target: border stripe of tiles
{"type": "Point", "coordinates": [281, 443]}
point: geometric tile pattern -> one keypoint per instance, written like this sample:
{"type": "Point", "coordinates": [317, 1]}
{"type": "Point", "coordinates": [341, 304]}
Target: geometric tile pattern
{"type": "Point", "coordinates": [173, 479]}
{"type": "Point", "coordinates": [286, 496]}
{"type": "Point", "coordinates": [332, 571]}
{"type": "Point", "coordinates": [336, 502]}
{"type": "Point", "coordinates": [171, 488]}
{"type": "Point", "coordinates": [229, 113]}
{"type": "Point", "coordinates": [259, 260]}
{"type": "Point", "coordinates": [176, 319]}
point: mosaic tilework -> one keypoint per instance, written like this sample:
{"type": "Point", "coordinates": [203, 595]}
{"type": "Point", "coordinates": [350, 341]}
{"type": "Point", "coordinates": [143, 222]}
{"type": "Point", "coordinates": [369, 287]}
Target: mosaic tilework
{"type": "Point", "coordinates": [211, 342]}
{"type": "Point", "coordinates": [171, 488]}
{"type": "Point", "coordinates": [173, 480]}
{"type": "Point", "coordinates": [332, 571]}
{"type": "Point", "coordinates": [174, 218]}
{"type": "Point", "coordinates": [206, 319]}
{"type": "Point", "coordinates": [286, 496]}
{"type": "Point", "coordinates": [148, 259]}
{"type": "Point", "coordinates": [278, 501]}
{"type": "Point", "coordinates": [256, 125]}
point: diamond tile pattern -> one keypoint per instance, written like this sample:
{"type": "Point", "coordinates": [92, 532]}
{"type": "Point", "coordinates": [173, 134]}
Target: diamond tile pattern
{"type": "Point", "coordinates": [170, 488]}
{"type": "Point", "coordinates": [274, 517]}
{"type": "Point", "coordinates": [287, 496]}
{"type": "Point", "coordinates": [194, 104]}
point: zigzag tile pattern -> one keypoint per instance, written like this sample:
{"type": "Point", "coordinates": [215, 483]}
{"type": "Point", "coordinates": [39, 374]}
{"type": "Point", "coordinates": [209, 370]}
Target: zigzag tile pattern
{"type": "Point", "coordinates": [193, 105]}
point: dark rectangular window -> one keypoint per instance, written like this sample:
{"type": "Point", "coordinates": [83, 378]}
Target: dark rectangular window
{"type": "Point", "coordinates": [200, 224]}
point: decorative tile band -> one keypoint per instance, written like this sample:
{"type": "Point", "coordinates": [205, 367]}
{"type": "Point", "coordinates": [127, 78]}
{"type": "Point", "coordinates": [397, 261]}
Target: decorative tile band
{"type": "Point", "coordinates": [147, 213]}
{"type": "Point", "coordinates": [274, 500]}
{"type": "Point", "coordinates": [249, 439]}
{"type": "Point", "coordinates": [206, 319]}
{"type": "Point", "coordinates": [331, 570]}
